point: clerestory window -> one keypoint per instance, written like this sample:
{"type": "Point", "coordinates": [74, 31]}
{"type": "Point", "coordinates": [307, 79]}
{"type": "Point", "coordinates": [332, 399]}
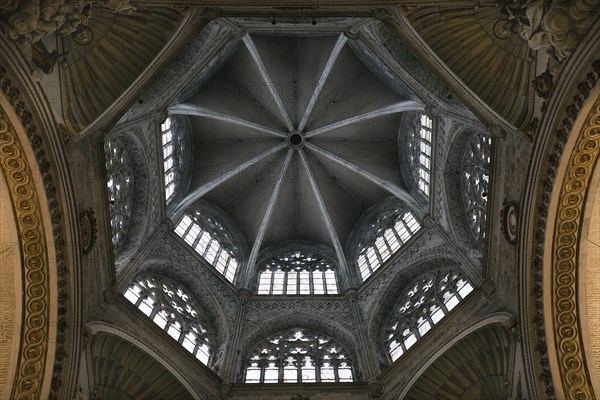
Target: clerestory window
{"type": "Point", "coordinates": [168, 147]}
{"type": "Point", "coordinates": [120, 183]}
{"type": "Point", "coordinates": [390, 239]}
{"type": "Point", "coordinates": [297, 272]}
{"type": "Point", "coordinates": [475, 179]}
{"type": "Point", "coordinates": [299, 355]}
{"type": "Point", "coordinates": [172, 308]}
{"type": "Point", "coordinates": [422, 305]}
{"type": "Point", "coordinates": [207, 240]}
{"type": "Point", "coordinates": [421, 153]}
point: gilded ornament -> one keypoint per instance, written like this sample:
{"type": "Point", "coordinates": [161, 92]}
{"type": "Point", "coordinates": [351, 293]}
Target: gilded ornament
{"type": "Point", "coordinates": [34, 331]}
{"type": "Point", "coordinates": [566, 238]}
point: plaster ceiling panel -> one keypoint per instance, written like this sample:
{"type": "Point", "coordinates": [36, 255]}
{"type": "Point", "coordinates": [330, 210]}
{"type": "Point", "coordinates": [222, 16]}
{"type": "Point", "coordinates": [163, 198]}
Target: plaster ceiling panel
{"type": "Point", "coordinates": [359, 190]}
{"type": "Point", "coordinates": [238, 90]}
{"type": "Point", "coordinates": [213, 160]}
{"type": "Point", "coordinates": [295, 65]}
{"type": "Point", "coordinates": [94, 75]}
{"type": "Point", "coordinates": [247, 196]}
{"type": "Point", "coordinates": [310, 225]}
{"type": "Point", "coordinates": [284, 221]}
{"type": "Point", "coordinates": [342, 210]}
{"type": "Point", "coordinates": [495, 69]}
{"type": "Point", "coordinates": [381, 129]}
{"type": "Point", "coordinates": [351, 90]}
{"type": "Point", "coordinates": [207, 130]}
{"type": "Point", "coordinates": [379, 159]}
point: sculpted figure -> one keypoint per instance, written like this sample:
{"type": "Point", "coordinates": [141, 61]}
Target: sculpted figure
{"type": "Point", "coordinates": [119, 5]}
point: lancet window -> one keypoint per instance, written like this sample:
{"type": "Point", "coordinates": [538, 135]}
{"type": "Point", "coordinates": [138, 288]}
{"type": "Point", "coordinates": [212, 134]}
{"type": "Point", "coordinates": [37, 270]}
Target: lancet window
{"type": "Point", "coordinates": [475, 179]}
{"type": "Point", "coordinates": [389, 240]}
{"type": "Point", "coordinates": [421, 153]}
{"type": "Point", "coordinates": [120, 184]}
{"type": "Point", "coordinates": [422, 305]}
{"type": "Point", "coordinates": [297, 272]}
{"type": "Point", "coordinates": [169, 145]}
{"type": "Point", "coordinates": [299, 355]}
{"type": "Point", "coordinates": [208, 238]}
{"type": "Point", "coordinates": [172, 308]}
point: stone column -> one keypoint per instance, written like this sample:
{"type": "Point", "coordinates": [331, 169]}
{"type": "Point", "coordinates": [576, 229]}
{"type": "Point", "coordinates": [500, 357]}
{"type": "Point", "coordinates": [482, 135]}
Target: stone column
{"type": "Point", "coordinates": [368, 354]}
{"type": "Point", "coordinates": [231, 364]}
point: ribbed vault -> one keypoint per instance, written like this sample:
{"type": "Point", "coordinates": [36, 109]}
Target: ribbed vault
{"type": "Point", "coordinates": [122, 371]}
{"type": "Point", "coordinates": [477, 367]}
{"type": "Point", "coordinates": [284, 138]}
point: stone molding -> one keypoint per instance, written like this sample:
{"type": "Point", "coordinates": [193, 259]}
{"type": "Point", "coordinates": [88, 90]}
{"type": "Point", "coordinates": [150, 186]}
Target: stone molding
{"type": "Point", "coordinates": [36, 286]}
{"type": "Point", "coordinates": [572, 364]}
{"type": "Point", "coordinates": [20, 106]}
{"type": "Point", "coordinates": [548, 175]}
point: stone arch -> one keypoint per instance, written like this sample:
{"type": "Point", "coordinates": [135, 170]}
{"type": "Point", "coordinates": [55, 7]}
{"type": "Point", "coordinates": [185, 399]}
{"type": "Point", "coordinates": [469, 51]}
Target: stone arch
{"type": "Point", "coordinates": [452, 176]}
{"type": "Point", "coordinates": [323, 251]}
{"type": "Point", "coordinates": [99, 327]}
{"type": "Point", "coordinates": [171, 270]}
{"type": "Point", "coordinates": [139, 220]}
{"type": "Point", "coordinates": [275, 325]}
{"type": "Point", "coordinates": [493, 321]}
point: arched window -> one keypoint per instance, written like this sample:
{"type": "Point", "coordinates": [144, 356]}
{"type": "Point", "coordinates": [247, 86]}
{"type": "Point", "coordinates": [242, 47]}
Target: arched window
{"type": "Point", "coordinates": [387, 242]}
{"type": "Point", "coordinates": [170, 147]}
{"type": "Point", "coordinates": [172, 308]}
{"type": "Point", "coordinates": [299, 355]}
{"type": "Point", "coordinates": [420, 147]}
{"type": "Point", "coordinates": [297, 272]}
{"type": "Point", "coordinates": [422, 305]}
{"type": "Point", "coordinates": [475, 179]}
{"type": "Point", "coordinates": [120, 189]}
{"type": "Point", "coordinates": [209, 238]}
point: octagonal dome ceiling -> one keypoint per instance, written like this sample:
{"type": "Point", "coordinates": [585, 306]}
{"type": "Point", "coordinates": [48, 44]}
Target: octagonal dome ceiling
{"type": "Point", "coordinates": [295, 138]}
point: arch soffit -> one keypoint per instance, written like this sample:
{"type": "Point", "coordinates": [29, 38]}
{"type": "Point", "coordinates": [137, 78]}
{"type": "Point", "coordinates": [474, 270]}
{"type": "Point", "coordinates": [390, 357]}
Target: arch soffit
{"type": "Point", "coordinates": [499, 319]}
{"type": "Point", "coordinates": [96, 327]}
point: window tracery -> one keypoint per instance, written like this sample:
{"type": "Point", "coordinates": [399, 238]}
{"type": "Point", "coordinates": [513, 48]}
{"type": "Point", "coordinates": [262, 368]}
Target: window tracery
{"type": "Point", "coordinates": [299, 355]}
{"type": "Point", "coordinates": [420, 147]}
{"type": "Point", "coordinates": [120, 181]}
{"type": "Point", "coordinates": [171, 307]}
{"type": "Point", "coordinates": [208, 237]}
{"type": "Point", "coordinates": [297, 272]}
{"type": "Point", "coordinates": [170, 147]}
{"type": "Point", "coordinates": [391, 235]}
{"type": "Point", "coordinates": [475, 179]}
{"type": "Point", "coordinates": [422, 305]}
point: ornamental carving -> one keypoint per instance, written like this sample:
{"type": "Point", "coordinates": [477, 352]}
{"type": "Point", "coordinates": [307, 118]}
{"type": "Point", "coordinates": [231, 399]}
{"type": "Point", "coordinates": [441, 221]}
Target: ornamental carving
{"type": "Point", "coordinates": [556, 25]}
{"type": "Point", "coordinates": [89, 230]}
{"type": "Point", "coordinates": [14, 98]}
{"type": "Point", "coordinates": [568, 340]}
{"type": "Point", "coordinates": [34, 330]}
{"type": "Point", "coordinates": [510, 221]}
{"type": "Point", "coordinates": [584, 90]}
